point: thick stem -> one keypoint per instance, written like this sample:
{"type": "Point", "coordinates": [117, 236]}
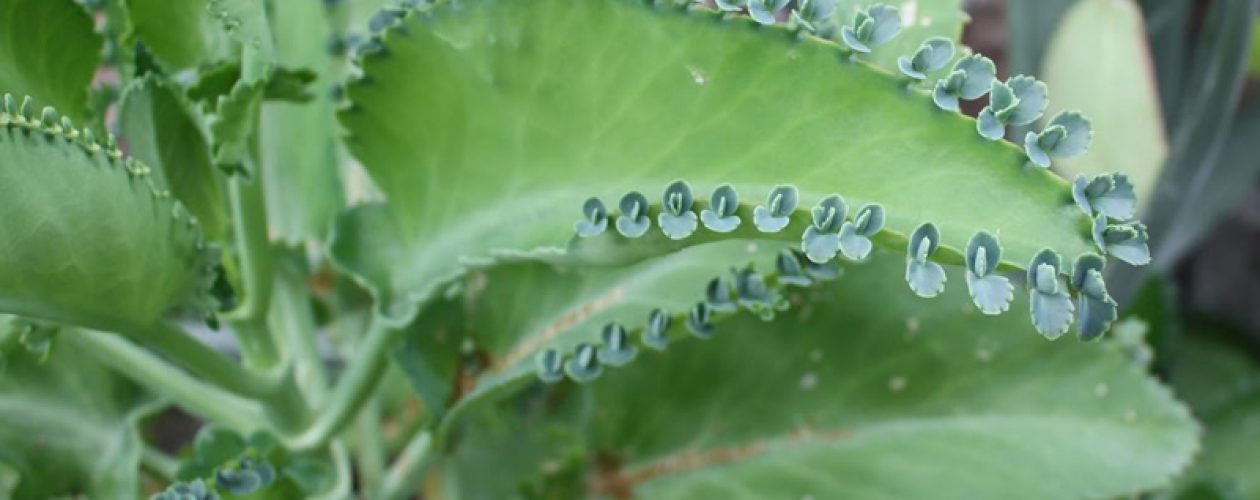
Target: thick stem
{"type": "Point", "coordinates": [206, 401]}
{"type": "Point", "coordinates": [408, 470]}
{"type": "Point", "coordinates": [159, 464]}
{"type": "Point", "coordinates": [370, 449]}
{"type": "Point", "coordinates": [362, 375]}
{"type": "Point", "coordinates": [249, 219]}
{"type": "Point", "coordinates": [294, 323]}
{"type": "Point", "coordinates": [179, 346]}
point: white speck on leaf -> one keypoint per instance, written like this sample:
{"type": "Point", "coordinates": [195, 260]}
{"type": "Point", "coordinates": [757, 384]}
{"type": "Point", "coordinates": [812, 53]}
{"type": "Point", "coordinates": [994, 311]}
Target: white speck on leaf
{"type": "Point", "coordinates": [816, 355]}
{"type": "Point", "coordinates": [809, 381]}
{"type": "Point", "coordinates": [697, 76]}
{"type": "Point", "coordinates": [1100, 390]}
{"type": "Point", "coordinates": [897, 384]}
{"type": "Point", "coordinates": [908, 11]}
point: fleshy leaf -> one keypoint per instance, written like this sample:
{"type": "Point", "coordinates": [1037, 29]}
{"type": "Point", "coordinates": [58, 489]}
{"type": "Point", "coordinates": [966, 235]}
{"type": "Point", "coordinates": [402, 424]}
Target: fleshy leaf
{"type": "Point", "coordinates": [926, 278]}
{"type": "Point", "coordinates": [698, 321]}
{"type": "Point", "coordinates": [720, 216]}
{"type": "Point", "coordinates": [594, 218]}
{"type": "Point", "coordinates": [656, 335]}
{"type": "Point", "coordinates": [1125, 241]}
{"type": "Point", "coordinates": [790, 271]}
{"type": "Point", "coordinates": [633, 221]}
{"type": "Point", "coordinates": [932, 55]}
{"type": "Point", "coordinates": [617, 349]}
{"type": "Point", "coordinates": [774, 215]}
{"type": "Point", "coordinates": [763, 11]}
{"type": "Point", "coordinates": [970, 78]}
{"type": "Point", "coordinates": [871, 27]}
{"type": "Point", "coordinates": [550, 365]}
{"type": "Point", "coordinates": [584, 366]}
{"type": "Point", "coordinates": [717, 295]}
{"type": "Point", "coordinates": [731, 5]}
{"type": "Point", "coordinates": [1066, 135]}
{"type": "Point", "coordinates": [855, 236]}
{"type": "Point", "coordinates": [992, 293]}
{"type": "Point", "coordinates": [813, 14]}
{"type": "Point", "coordinates": [676, 219]}
{"type": "Point", "coordinates": [821, 241]}
{"type": "Point", "coordinates": [989, 126]}
{"type": "Point", "coordinates": [1051, 306]}
{"type": "Point", "coordinates": [50, 51]}
{"type": "Point", "coordinates": [1031, 100]}
{"type": "Point", "coordinates": [1096, 307]}
{"type": "Point", "coordinates": [1111, 195]}
{"type": "Point", "coordinates": [753, 294]}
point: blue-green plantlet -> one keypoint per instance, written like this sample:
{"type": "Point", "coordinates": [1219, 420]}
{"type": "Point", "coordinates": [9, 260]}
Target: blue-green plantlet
{"type": "Point", "coordinates": [717, 295]}
{"type": "Point", "coordinates": [821, 239]}
{"type": "Point", "coordinates": [871, 27]}
{"type": "Point", "coordinates": [594, 218]}
{"type": "Point", "coordinates": [731, 5]}
{"type": "Point", "coordinates": [753, 294]}
{"type": "Point", "coordinates": [930, 57]}
{"type": "Point", "coordinates": [633, 221]}
{"type": "Point", "coordinates": [550, 365]}
{"type": "Point", "coordinates": [970, 78]}
{"type": "Point", "coordinates": [926, 278]}
{"type": "Point", "coordinates": [584, 365]}
{"type": "Point", "coordinates": [245, 477]}
{"type": "Point", "coordinates": [775, 214]}
{"type": "Point", "coordinates": [1110, 195]}
{"type": "Point", "coordinates": [676, 219]}
{"type": "Point", "coordinates": [193, 490]}
{"type": "Point", "coordinates": [813, 14]}
{"type": "Point", "coordinates": [698, 320]}
{"type": "Point", "coordinates": [764, 11]}
{"type": "Point", "coordinates": [616, 349]}
{"type": "Point", "coordinates": [1067, 135]}
{"type": "Point", "coordinates": [720, 215]}
{"type": "Point", "coordinates": [1095, 306]}
{"type": "Point", "coordinates": [855, 235]}
{"type": "Point", "coordinates": [1019, 100]}
{"type": "Point", "coordinates": [788, 265]}
{"type": "Point", "coordinates": [656, 335]}
{"type": "Point", "coordinates": [1048, 300]}
{"type": "Point", "coordinates": [1125, 241]}
{"type": "Point", "coordinates": [990, 292]}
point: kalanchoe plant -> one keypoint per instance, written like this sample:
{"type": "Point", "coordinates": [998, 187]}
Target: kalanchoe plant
{"type": "Point", "coordinates": [508, 310]}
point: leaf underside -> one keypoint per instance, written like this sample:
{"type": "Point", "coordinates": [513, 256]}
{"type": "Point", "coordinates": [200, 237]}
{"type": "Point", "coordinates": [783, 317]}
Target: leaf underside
{"type": "Point", "coordinates": [485, 135]}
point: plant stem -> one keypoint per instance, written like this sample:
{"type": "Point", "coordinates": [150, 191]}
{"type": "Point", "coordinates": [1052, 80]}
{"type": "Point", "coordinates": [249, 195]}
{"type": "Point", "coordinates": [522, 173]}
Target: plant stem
{"type": "Point", "coordinates": [370, 449]}
{"type": "Point", "coordinates": [176, 344]}
{"type": "Point", "coordinates": [159, 463]}
{"type": "Point", "coordinates": [249, 219]}
{"type": "Point", "coordinates": [408, 470]}
{"type": "Point", "coordinates": [207, 401]}
{"type": "Point", "coordinates": [362, 375]}
{"type": "Point", "coordinates": [292, 320]}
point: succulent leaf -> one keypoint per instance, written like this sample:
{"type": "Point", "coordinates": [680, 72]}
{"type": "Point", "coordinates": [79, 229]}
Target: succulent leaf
{"type": "Point", "coordinates": [774, 215]}
{"type": "Point", "coordinates": [1125, 241]}
{"type": "Point", "coordinates": [594, 218]}
{"type": "Point", "coordinates": [1111, 195]}
{"type": "Point", "coordinates": [813, 14]}
{"type": "Point", "coordinates": [550, 366]}
{"type": "Point", "coordinates": [731, 5]}
{"type": "Point", "coordinates": [698, 321]}
{"type": "Point", "coordinates": [764, 11]}
{"type": "Point", "coordinates": [1067, 135]}
{"type": "Point", "coordinates": [790, 271]}
{"type": "Point", "coordinates": [50, 52]}
{"type": "Point", "coordinates": [633, 221]}
{"type": "Point", "coordinates": [926, 278]}
{"type": "Point", "coordinates": [656, 335]}
{"type": "Point", "coordinates": [584, 366]}
{"type": "Point", "coordinates": [717, 294]}
{"type": "Point", "coordinates": [676, 219]}
{"type": "Point", "coordinates": [1097, 309]}
{"type": "Point", "coordinates": [821, 241]}
{"type": "Point", "coordinates": [855, 236]}
{"type": "Point", "coordinates": [871, 27]}
{"type": "Point", "coordinates": [720, 216]}
{"type": "Point", "coordinates": [931, 56]}
{"type": "Point", "coordinates": [1049, 302]}
{"type": "Point", "coordinates": [992, 293]}
{"type": "Point", "coordinates": [616, 349]}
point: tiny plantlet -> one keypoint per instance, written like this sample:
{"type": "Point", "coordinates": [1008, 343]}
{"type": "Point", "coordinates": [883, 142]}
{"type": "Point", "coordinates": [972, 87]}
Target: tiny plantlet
{"type": "Point", "coordinates": [555, 249]}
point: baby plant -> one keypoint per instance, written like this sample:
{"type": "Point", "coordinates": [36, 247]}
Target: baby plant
{"type": "Point", "coordinates": [604, 248]}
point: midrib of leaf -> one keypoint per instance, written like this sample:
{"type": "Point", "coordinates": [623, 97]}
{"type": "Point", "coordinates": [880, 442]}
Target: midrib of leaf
{"type": "Point", "coordinates": [486, 132]}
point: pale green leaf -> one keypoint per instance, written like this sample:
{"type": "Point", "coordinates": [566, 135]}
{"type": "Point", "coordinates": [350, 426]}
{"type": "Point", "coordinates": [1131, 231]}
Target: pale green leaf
{"type": "Point", "coordinates": [180, 33]}
{"type": "Point", "coordinates": [48, 50]}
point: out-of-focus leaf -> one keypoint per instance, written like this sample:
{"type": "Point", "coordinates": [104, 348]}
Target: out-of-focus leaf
{"type": "Point", "coordinates": [159, 130]}
{"type": "Point", "coordinates": [48, 50]}
{"type": "Point", "coordinates": [1221, 382]}
{"type": "Point", "coordinates": [1168, 29]}
{"type": "Point", "coordinates": [869, 392]}
{"type": "Point", "coordinates": [180, 33]}
{"type": "Point", "coordinates": [1029, 27]}
{"type": "Point", "coordinates": [298, 154]}
{"type": "Point", "coordinates": [68, 426]}
{"type": "Point", "coordinates": [1098, 63]}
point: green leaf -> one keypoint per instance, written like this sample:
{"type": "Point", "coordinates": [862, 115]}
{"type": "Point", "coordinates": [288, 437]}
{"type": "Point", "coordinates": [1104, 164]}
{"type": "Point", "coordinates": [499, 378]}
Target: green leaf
{"type": "Point", "coordinates": [89, 238]}
{"type": "Point", "coordinates": [49, 51]}
{"type": "Point", "coordinates": [498, 121]}
{"type": "Point", "coordinates": [299, 151]}
{"type": "Point", "coordinates": [1222, 385]}
{"type": "Point", "coordinates": [68, 426]}
{"type": "Point", "coordinates": [181, 34]}
{"type": "Point", "coordinates": [161, 131]}
{"type": "Point", "coordinates": [1098, 63]}
{"type": "Point", "coordinates": [910, 399]}
{"type": "Point", "coordinates": [920, 20]}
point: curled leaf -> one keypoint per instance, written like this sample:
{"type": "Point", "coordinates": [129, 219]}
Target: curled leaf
{"type": "Point", "coordinates": [970, 78]}
{"type": "Point", "coordinates": [813, 14]}
{"type": "Point", "coordinates": [855, 236]}
{"type": "Point", "coordinates": [720, 216]}
{"type": "Point", "coordinates": [1097, 309]}
{"type": "Point", "coordinates": [819, 271]}
{"type": "Point", "coordinates": [992, 293]}
{"type": "Point", "coordinates": [245, 477]}
{"type": "Point", "coordinates": [633, 221]}
{"type": "Point", "coordinates": [926, 278]}
{"type": "Point", "coordinates": [676, 219]}
{"type": "Point", "coordinates": [731, 5]}
{"type": "Point", "coordinates": [192, 490]}
{"type": "Point", "coordinates": [617, 349]}
{"type": "Point", "coordinates": [550, 365]}
{"type": "Point", "coordinates": [775, 215]}
{"type": "Point", "coordinates": [1018, 101]}
{"type": "Point", "coordinates": [1067, 135]}
{"type": "Point", "coordinates": [1126, 241]}
{"type": "Point", "coordinates": [698, 321]}
{"type": "Point", "coordinates": [1050, 304]}
{"type": "Point", "coordinates": [717, 294]}
{"type": "Point", "coordinates": [871, 27]}
{"type": "Point", "coordinates": [821, 239]}
{"type": "Point", "coordinates": [594, 218]}
{"type": "Point", "coordinates": [789, 268]}
{"type": "Point", "coordinates": [764, 11]}
{"type": "Point", "coordinates": [753, 294]}
{"type": "Point", "coordinates": [656, 335]}
{"type": "Point", "coordinates": [1107, 194]}
{"type": "Point", "coordinates": [584, 365]}
{"type": "Point", "coordinates": [931, 56]}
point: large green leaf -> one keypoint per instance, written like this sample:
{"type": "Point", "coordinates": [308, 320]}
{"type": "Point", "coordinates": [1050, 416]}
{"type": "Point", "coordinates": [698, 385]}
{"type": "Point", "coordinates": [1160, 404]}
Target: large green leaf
{"type": "Point", "coordinates": [299, 154]}
{"type": "Point", "coordinates": [484, 134]}
{"type": "Point", "coordinates": [867, 392]}
{"type": "Point", "coordinates": [89, 237]}
{"type": "Point", "coordinates": [1098, 63]}
{"type": "Point", "coordinates": [48, 50]}
{"type": "Point", "coordinates": [159, 129]}
{"type": "Point", "coordinates": [68, 427]}
{"type": "Point", "coordinates": [180, 33]}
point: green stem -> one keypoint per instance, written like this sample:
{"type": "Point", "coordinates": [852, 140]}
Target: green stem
{"type": "Point", "coordinates": [370, 452]}
{"type": "Point", "coordinates": [362, 375]}
{"type": "Point", "coordinates": [176, 344]}
{"type": "Point", "coordinates": [158, 463]}
{"type": "Point", "coordinates": [294, 323]}
{"type": "Point", "coordinates": [249, 218]}
{"type": "Point", "coordinates": [408, 470]}
{"type": "Point", "coordinates": [343, 479]}
{"type": "Point", "coordinates": [207, 401]}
